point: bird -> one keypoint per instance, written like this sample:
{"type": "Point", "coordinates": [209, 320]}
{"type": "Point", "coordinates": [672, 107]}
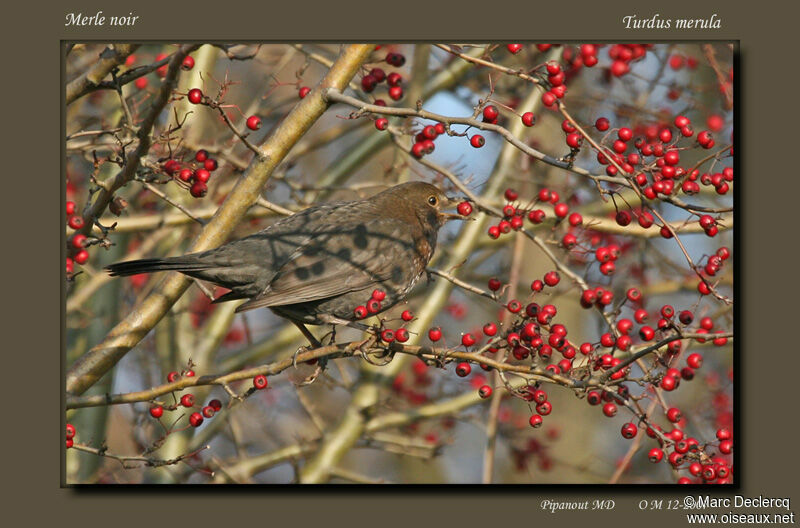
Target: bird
{"type": "Point", "coordinates": [318, 266]}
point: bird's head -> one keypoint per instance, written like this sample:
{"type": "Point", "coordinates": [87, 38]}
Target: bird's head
{"type": "Point", "coordinates": [428, 202]}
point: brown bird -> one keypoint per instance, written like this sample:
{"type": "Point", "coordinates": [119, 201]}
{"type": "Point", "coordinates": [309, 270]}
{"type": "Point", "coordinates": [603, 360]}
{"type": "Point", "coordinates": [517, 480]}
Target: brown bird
{"type": "Point", "coordinates": [317, 266]}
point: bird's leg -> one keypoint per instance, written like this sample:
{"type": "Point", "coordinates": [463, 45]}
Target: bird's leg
{"type": "Point", "coordinates": [311, 339]}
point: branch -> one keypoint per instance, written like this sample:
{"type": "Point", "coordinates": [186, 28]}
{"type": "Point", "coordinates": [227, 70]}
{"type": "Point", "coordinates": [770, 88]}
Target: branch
{"type": "Point", "coordinates": [110, 58]}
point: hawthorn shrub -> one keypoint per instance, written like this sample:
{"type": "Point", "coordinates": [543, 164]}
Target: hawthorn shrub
{"type": "Point", "coordinates": [576, 327]}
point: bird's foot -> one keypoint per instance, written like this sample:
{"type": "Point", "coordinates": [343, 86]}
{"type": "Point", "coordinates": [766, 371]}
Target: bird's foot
{"type": "Point", "coordinates": [311, 378]}
{"type": "Point", "coordinates": [386, 355]}
{"type": "Point", "coordinates": [296, 353]}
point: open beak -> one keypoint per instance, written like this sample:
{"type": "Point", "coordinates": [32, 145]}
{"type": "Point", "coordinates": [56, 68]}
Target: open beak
{"type": "Point", "coordinates": [452, 203]}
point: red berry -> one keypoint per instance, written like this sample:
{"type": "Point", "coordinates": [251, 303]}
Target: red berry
{"type": "Point", "coordinates": [407, 315]}
{"type": "Point", "coordinates": [260, 382]}
{"type": "Point", "coordinates": [535, 420]}
{"type": "Point", "coordinates": [303, 91]}
{"type": "Point", "coordinates": [668, 383]}
{"type": "Point", "coordinates": [435, 334]}
{"type": "Point", "coordinates": [378, 74]}
{"type": "Point", "coordinates": [75, 222]}
{"type": "Point", "coordinates": [619, 68]}
{"type": "Point", "coordinates": [623, 218]}
{"type": "Point", "coordinates": [201, 155]}
{"type": "Point", "coordinates": [490, 113]}
{"type": "Point", "coordinates": [185, 175]}
{"type": "Point", "coordinates": [187, 400]}
{"type": "Point", "coordinates": [549, 98]}
{"type": "Point", "coordinates": [544, 408]}
{"type": "Point", "coordinates": [477, 141]}
{"type": "Point", "coordinates": [610, 409]}
{"type": "Point", "coordinates": [647, 333]}
{"type": "Point", "coordinates": [694, 361]}
{"type": "Point", "coordinates": [188, 63]}
{"type": "Point", "coordinates": [551, 278]}
{"type": "Point", "coordinates": [463, 369]}
{"type": "Point", "coordinates": [198, 189]}
{"type": "Point", "coordinates": [528, 119]}
{"type": "Point", "coordinates": [387, 335]}
{"type": "Point", "coordinates": [378, 295]}
{"type": "Point", "coordinates": [156, 411]}
{"type": "Point", "coordinates": [464, 208]}
{"type": "Point", "coordinates": [468, 340]}
{"type": "Point", "coordinates": [536, 216]}
{"type": "Point", "coordinates": [81, 257]}
{"type": "Point", "coordinates": [360, 312]}
{"type": "Point", "coordinates": [253, 122]}
{"type": "Point", "coordinates": [70, 208]}
{"type": "Point", "coordinates": [395, 59]}
{"type": "Point", "coordinates": [381, 123]}
{"type": "Point", "coordinates": [202, 175]}
{"type": "Point", "coordinates": [574, 140]}
{"type": "Point", "coordinates": [196, 419]}
{"type": "Point", "coordinates": [195, 95]}
{"type": "Point", "coordinates": [655, 455]}
{"type": "Point", "coordinates": [561, 209]}
{"type": "Point", "coordinates": [70, 431]}
{"type": "Point", "coordinates": [78, 241]}
{"type": "Point", "coordinates": [490, 329]}
{"type": "Point", "coordinates": [396, 93]}
{"type": "Point", "coordinates": [368, 83]}
{"type": "Point", "coordinates": [373, 306]}
{"type": "Point", "coordinates": [208, 411]}
{"type": "Point", "coordinates": [674, 415]}
{"type": "Point", "coordinates": [402, 335]}
{"type": "Point", "coordinates": [485, 391]}
{"type": "Point", "coordinates": [675, 458]}
{"type": "Point", "coordinates": [629, 430]}
{"type": "Point", "coordinates": [514, 48]}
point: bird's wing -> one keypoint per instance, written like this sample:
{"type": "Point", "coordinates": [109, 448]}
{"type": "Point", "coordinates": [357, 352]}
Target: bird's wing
{"type": "Point", "coordinates": [340, 258]}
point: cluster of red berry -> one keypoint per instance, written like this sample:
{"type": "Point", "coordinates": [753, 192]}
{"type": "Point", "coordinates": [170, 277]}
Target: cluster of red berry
{"type": "Point", "coordinates": [142, 82]}
{"type": "Point", "coordinates": [70, 435]}
{"type": "Point", "coordinates": [394, 80]}
{"type": "Point", "coordinates": [373, 306]}
{"type": "Point", "coordinates": [195, 177]}
{"type": "Point", "coordinates": [186, 401]}
{"type": "Point", "coordinates": [77, 244]}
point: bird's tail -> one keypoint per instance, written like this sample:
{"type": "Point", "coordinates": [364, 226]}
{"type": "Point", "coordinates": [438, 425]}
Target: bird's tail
{"type": "Point", "coordinates": [134, 267]}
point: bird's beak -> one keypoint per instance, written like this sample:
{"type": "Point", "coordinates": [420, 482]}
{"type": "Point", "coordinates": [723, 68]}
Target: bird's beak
{"type": "Point", "coordinates": [452, 203]}
{"type": "Point", "coordinates": [451, 216]}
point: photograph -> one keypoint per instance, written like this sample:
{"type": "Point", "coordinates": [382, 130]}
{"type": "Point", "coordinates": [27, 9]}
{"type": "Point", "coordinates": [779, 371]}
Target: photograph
{"type": "Point", "coordinates": [405, 263]}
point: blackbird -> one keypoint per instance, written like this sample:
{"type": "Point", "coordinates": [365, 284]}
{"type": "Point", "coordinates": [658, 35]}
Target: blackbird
{"type": "Point", "coordinates": [317, 266]}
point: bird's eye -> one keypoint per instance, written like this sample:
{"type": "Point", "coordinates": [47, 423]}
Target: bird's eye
{"type": "Point", "coordinates": [433, 200]}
